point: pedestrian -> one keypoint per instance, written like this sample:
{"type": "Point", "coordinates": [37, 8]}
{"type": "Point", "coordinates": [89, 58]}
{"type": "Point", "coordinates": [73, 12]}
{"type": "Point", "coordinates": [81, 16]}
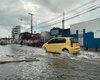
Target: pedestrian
{"type": "Point", "coordinates": [96, 47]}
{"type": "Point", "coordinates": [87, 46]}
{"type": "Point", "coordinates": [21, 43]}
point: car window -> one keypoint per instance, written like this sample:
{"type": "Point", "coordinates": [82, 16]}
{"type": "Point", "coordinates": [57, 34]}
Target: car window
{"type": "Point", "coordinates": [74, 40]}
{"type": "Point", "coordinates": [52, 41]}
{"type": "Point", "coordinates": [61, 40]}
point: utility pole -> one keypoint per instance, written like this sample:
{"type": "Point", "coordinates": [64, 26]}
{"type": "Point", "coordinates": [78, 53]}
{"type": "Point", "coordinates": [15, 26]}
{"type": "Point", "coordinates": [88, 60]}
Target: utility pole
{"type": "Point", "coordinates": [31, 22]}
{"type": "Point", "coordinates": [63, 21]}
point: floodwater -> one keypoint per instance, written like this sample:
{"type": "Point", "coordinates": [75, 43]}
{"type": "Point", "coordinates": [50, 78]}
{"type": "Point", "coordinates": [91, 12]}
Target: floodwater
{"type": "Point", "coordinates": [84, 66]}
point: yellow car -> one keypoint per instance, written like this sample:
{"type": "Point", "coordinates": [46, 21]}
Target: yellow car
{"type": "Point", "coordinates": [65, 44]}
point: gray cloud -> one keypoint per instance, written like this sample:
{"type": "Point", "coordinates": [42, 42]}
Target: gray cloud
{"type": "Point", "coordinates": [59, 5]}
{"type": "Point", "coordinates": [15, 12]}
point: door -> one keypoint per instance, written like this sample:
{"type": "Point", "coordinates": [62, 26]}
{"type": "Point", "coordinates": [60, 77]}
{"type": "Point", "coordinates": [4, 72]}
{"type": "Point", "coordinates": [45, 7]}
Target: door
{"type": "Point", "coordinates": [51, 45]}
{"type": "Point", "coordinates": [60, 44]}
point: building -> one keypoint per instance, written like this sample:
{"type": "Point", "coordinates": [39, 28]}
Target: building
{"type": "Point", "coordinates": [58, 32]}
{"type": "Point", "coordinates": [4, 41]}
{"type": "Point", "coordinates": [45, 36]}
{"type": "Point", "coordinates": [15, 33]}
{"type": "Point", "coordinates": [88, 33]}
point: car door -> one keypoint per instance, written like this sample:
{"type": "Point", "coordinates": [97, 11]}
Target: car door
{"type": "Point", "coordinates": [60, 43]}
{"type": "Point", "coordinates": [51, 45]}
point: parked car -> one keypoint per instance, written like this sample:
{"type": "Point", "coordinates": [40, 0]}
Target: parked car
{"type": "Point", "coordinates": [65, 44]}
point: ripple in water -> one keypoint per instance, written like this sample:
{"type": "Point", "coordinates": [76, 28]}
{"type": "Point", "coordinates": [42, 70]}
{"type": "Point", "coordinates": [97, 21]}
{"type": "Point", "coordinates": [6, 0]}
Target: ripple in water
{"type": "Point", "coordinates": [84, 56]}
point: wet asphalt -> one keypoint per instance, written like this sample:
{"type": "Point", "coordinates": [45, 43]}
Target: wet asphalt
{"type": "Point", "coordinates": [50, 66]}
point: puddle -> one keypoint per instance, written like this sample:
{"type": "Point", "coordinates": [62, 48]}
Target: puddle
{"type": "Point", "coordinates": [84, 56]}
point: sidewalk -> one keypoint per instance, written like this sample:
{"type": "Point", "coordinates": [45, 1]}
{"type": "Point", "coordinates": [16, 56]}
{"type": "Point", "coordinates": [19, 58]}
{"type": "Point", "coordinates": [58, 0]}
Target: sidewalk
{"type": "Point", "coordinates": [91, 50]}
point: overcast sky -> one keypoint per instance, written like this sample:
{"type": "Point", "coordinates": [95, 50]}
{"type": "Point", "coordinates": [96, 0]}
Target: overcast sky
{"type": "Point", "coordinates": [15, 12]}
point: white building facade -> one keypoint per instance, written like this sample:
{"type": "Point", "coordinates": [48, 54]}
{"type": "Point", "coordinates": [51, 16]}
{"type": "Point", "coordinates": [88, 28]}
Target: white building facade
{"type": "Point", "coordinates": [15, 33]}
{"type": "Point", "coordinates": [88, 26]}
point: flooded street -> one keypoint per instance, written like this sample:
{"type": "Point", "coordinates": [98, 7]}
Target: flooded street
{"type": "Point", "coordinates": [84, 66]}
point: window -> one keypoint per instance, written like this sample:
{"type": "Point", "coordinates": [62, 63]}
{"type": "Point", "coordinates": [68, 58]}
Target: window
{"type": "Point", "coordinates": [61, 40]}
{"type": "Point", "coordinates": [74, 40]}
{"type": "Point", "coordinates": [52, 41]}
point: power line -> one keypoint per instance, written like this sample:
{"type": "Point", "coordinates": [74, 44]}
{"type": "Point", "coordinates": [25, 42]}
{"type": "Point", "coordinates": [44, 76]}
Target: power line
{"type": "Point", "coordinates": [68, 12]}
{"type": "Point", "coordinates": [76, 15]}
{"type": "Point", "coordinates": [92, 9]}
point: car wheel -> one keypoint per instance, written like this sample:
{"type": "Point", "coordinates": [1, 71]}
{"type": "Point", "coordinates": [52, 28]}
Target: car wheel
{"type": "Point", "coordinates": [65, 51]}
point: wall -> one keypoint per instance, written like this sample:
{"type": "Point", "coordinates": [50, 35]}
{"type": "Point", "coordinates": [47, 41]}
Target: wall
{"type": "Point", "coordinates": [91, 41]}
{"type": "Point", "coordinates": [89, 26]}
{"type": "Point", "coordinates": [88, 33]}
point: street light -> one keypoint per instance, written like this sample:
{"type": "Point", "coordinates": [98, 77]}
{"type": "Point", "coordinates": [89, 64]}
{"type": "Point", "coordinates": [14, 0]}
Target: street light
{"type": "Point", "coordinates": [31, 22]}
